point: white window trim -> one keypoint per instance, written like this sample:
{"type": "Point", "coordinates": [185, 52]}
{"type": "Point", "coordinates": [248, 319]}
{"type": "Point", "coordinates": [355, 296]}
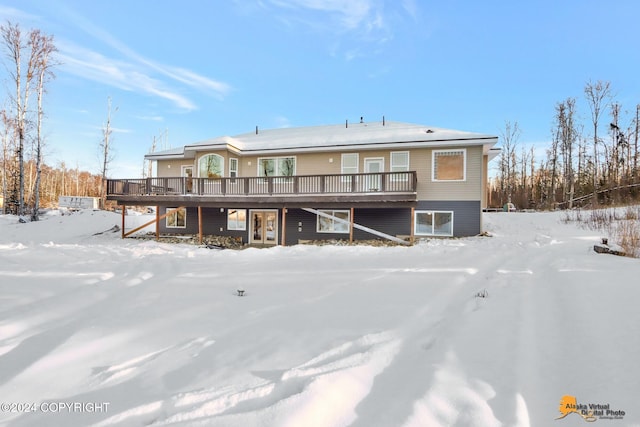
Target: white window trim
{"type": "Point", "coordinates": [464, 164]}
{"type": "Point", "coordinates": [342, 163]}
{"type": "Point", "coordinates": [166, 223]}
{"type": "Point", "coordinates": [210, 154]}
{"type": "Point", "coordinates": [244, 225]}
{"type": "Point", "coordinates": [415, 227]}
{"type": "Point", "coordinates": [332, 213]}
{"type": "Point", "coordinates": [236, 169]}
{"type": "Point", "coordinates": [404, 177]}
{"type": "Point", "coordinates": [295, 165]}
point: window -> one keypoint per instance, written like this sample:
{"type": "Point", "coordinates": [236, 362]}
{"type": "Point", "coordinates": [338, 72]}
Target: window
{"type": "Point", "coordinates": [399, 163]}
{"type": "Point", "coordinates": [349, 165]}
{"type": "Point", "coordinates": [277, 166]}
{"type": "Point", "coordinates": [449, 165]}
{"type": "Point", "coordinates": [233, 169]}
{"type": "Point", "coordinates": [434, 223]}
{"type": "Point", "coordinates": [236, 219]}
{"type": "Point", "coordinates": [177, 218]}
{"type": "Point", "coordinates": [210, 166]}
{"type": "Point", "coordinates": [331, 225]}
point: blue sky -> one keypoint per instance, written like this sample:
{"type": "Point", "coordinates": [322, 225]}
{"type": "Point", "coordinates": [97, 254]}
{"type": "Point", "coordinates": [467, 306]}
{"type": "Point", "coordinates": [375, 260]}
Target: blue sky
{"type": "Point", "coordinates": [184, 71]}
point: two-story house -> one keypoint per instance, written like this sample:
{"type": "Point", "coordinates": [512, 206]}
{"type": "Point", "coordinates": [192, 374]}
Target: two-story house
{"type": "Point", "coordinates": [350, 181]}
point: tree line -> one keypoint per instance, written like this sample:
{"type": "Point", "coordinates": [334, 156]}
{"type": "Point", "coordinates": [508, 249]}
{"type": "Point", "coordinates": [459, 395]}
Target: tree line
{"type": "Point", "coordinates": [589, 162]}
{"type": "Point", "coordinates": [27, 181]}
{"type": "Point", "coordinates": [54, 182]}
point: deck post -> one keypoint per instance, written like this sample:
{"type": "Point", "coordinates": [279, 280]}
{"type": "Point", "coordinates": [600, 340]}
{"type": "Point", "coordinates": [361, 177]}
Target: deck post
{"type": "Point", "coordinates": [413, 224]}
{"type": "Point", "coordinates": [124, 208]}
{"type": "Point", "coordinates": [199, 224]}
{"type": "Point", "coordinates": [157, 223]}
{"type": "Point", "coordinates": [284, 226]}
{"type": "Point", "coordinates": [351, 226]}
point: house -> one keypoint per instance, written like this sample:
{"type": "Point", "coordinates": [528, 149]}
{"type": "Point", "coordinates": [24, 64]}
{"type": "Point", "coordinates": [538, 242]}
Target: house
{"type": "Point", "coordinates": [350, 181]}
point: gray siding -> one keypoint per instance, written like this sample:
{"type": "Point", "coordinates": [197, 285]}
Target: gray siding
{"type": "Point", "coordinates": [214, 222]}
{"type": "Point", "coordinates": [301, 225]}
{"type": "Point", "coordinates": [466, 215]}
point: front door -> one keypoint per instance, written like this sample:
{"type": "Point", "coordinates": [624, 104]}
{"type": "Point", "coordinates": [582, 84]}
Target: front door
{"type": "Point", "coordinates": [264, 227]}
{"type": "Point", "coordinates": [373, 165]}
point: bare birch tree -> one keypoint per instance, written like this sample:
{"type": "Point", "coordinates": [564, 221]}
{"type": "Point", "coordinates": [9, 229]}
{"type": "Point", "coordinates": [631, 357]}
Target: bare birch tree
{"type": "Point", "coordinates": [30, 50]}
{"type": "Point", "coordinates": [597, 94]}
{"type": "Point", "coordinates": [106, 154]}
{"type": "Point", "coordinates": [508, 170]}
{"type": "Point", "coordinates": [44, 47]}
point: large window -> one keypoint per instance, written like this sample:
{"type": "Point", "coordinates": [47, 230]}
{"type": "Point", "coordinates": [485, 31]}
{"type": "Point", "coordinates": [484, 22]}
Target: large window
{"type": "Point", "coordinates": [177, 218]}
{"type": "Point", "coordinates": [277, 166]}
{"type": "Point", "coordinates": [449, 165]}
{"type": "Point", "coordinates": [434, 223]}
{"type": "Point", "coordinates": [331, 225]}
{"type": "Point", "coordinates": [399, 163]}
{"type": "Point", "coordinates": [236, 219]}
{"type": "Point", "coordinates": [210, 166]}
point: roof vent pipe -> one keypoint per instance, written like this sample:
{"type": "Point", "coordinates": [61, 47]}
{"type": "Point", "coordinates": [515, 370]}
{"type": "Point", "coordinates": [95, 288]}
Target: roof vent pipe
{"type": "Point", "coordinates": [382, 120]}
{"type": "Point", "coordinates": [346, 123]}
{"type": "Point", "coordinates": [256, 129]}
{"type": "Point", "coordinates": [361, 119]}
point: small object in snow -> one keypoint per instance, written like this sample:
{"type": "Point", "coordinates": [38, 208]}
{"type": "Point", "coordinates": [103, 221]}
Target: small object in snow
{"type": "Point", "coordinates": [23, 220]}
{"type": "Point", "coordinates": [482, 294]}
{"type": "Point", "coordinates": [214, 247]}
{"type": "Point", "coordinates": [240, 292]}
{"type": "Point", "coordinates": [113, 229]}
{"type": "Point", "coordinates": [609, 249]}
{"type": "Point", "coordinates": [605, 241]}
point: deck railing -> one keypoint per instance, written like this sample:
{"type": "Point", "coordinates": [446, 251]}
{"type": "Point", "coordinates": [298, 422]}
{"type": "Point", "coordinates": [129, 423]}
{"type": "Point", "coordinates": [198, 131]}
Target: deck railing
{"type": "Point", "coordinates": [385, 182]}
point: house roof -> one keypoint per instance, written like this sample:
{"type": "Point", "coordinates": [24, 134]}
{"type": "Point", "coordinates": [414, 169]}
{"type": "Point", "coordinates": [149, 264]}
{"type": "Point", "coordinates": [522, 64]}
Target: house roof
{"type": "Point", "coordinates": [354, 136]}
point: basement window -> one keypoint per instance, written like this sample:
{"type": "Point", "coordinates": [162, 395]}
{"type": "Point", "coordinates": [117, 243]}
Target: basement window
{"type": "Point", "coordinates": [434, 223]}
{"type": "Point", "coordinates": [177, 218]}
{"type": "Point", "coordinates": [331, 225]}
{"type": "Point", "coordinates": [236, 219]}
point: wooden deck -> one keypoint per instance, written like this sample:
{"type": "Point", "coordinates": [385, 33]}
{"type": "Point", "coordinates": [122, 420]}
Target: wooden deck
{"type": "Point", "coordinates": [372, 187]}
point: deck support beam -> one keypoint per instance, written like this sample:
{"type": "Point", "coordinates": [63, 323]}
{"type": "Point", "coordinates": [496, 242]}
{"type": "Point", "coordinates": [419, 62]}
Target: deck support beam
{"type": "Point", "coordinates": [156, 221]}
{"type": "Point", "coordinates": [351, 226]}
{"type": "Point", "coordinates": [284, 227]}
{"type": "Point", "coordinates": [124, 209]}
{"type": "Point", "coordinates": [412, 239]}
{"type": "Point", "coordinates": [199, 224]}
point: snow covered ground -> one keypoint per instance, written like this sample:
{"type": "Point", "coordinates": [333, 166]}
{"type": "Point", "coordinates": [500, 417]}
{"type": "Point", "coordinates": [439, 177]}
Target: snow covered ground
{"type": "Point", "coordinates": [95, 330]}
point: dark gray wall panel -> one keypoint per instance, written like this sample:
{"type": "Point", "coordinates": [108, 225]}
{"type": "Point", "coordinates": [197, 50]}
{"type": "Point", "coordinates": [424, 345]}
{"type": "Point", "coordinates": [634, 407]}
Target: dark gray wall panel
{"type": "Point", "coordinates": [466, 215]}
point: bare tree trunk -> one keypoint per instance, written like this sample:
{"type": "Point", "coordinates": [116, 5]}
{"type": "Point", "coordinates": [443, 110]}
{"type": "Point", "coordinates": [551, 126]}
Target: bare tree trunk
{"type": "Point", "coordinates": [107, 156]}
{"type": "Point", "coordinates": [635, 147]}
{"type": "Point", "coordinates": [39, 48]}
{"type": "Point", "coordinates": [44, 49]}
{"type": "Point", "coordinates": [597, 94]}
{"type": "Point", "coordinates": [508, 159]}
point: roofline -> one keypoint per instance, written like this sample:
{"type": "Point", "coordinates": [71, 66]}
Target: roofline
{"type": "Point", "coordinates": [326, 148]}
{"type": "Point", "coordinates": [226, 143]}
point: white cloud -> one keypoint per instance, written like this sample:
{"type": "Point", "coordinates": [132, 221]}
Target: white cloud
{"type": "Point", "coordinates": [134, 72]}
{"type": "Point", "coordinates": [9, 13]}
{"type": "Point", "coordinates": [94, 66]}
{"type": "Point", "coordinates": [357, 23]}
{"type": "Point", "coordinates": [349, 15]}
